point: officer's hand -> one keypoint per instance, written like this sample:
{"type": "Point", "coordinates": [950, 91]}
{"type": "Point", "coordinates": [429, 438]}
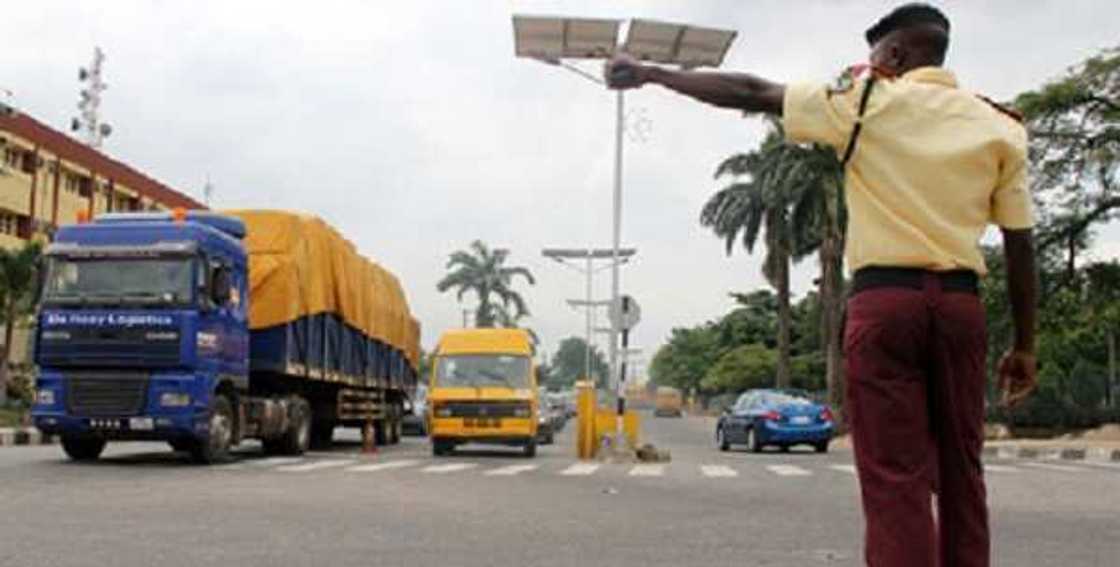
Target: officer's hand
{"type": "Point", "coordinates": [1018, 377]}
{"type": "Point", "coordinates": [624, 72]}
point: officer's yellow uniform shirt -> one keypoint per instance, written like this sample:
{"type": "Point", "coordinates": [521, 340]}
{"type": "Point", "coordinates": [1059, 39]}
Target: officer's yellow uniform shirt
{"type": "Point", "coordinates": [933, 166]}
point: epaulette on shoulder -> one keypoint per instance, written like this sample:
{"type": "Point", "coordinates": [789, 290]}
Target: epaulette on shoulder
{"type": "Point", "coordinates": [1002, 109]}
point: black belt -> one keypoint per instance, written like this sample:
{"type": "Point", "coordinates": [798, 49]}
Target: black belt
{"type": "Point", "coordinates": [963, 281]}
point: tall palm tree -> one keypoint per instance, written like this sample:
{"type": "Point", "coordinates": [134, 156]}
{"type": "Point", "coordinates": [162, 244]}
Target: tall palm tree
{"type": "Point", "coordinates": [752, 206]}
{"type": "Point", "coordinates": [794, 195]}
{"type": "Point", "coordinates": [482, 270]}
{"type": "Point", "coordinates": [18, 277]}
{"type": "Point", "coordinates": [814, 178]}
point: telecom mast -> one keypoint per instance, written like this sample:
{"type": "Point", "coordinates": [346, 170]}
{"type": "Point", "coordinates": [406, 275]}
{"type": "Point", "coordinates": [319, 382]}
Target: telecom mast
{"type": "Point", "coordinates": [89, 122]}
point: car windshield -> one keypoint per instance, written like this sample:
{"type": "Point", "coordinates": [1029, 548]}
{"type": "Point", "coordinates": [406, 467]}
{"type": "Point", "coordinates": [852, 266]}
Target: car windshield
{"type": "Point", "coordinates": [119, 281]}
{"type": "Point", "coordinates": [782, 399]}
{"type": "Point", "coordinates": [478, 370]}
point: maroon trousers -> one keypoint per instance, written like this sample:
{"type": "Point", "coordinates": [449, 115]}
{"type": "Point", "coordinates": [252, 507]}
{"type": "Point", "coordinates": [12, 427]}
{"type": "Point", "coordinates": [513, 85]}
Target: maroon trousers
{"type": "Point", "coordinates": [915, 403]}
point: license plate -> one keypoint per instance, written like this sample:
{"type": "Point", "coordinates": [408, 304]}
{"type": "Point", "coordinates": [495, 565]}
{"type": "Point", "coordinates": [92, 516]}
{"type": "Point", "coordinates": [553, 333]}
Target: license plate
{"type": "Point", "coordinates": [140, 424]}
{"type": "Point", "coordinates": [800, 420]}
{"type": "Point", "coordinates": [482, 422]}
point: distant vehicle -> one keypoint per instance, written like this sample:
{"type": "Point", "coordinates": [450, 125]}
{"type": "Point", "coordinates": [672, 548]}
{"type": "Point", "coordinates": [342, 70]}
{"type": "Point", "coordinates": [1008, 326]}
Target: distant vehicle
{"type": "Point", "coordinates": [668, 402]}
{"type": "Point", "coordinates": [483, 390]}
{"type": "Point", "coordinates": [415, 422]}
{"type": "Point", "coordinates": [781, 418]}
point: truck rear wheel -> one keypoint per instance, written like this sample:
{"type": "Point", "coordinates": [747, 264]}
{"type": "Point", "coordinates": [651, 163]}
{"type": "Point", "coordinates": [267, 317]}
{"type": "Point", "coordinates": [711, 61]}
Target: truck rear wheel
{"type": "Point", "coordinates": [297, 439]}
{"type": "Point", "coordinates": [214, 448]}
{"type": "Point", "coordinates": [79, 449]}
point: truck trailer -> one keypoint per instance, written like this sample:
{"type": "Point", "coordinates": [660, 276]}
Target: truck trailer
{"type": "Point", "coordinates": [203, 329]}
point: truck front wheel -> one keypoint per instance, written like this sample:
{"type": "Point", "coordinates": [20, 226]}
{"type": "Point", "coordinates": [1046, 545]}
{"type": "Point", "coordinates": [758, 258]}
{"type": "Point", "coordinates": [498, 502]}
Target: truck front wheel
{"type": "Point", "coordinates": [79, 449]}
{"type": "Point", "coordinates": [214, 448]}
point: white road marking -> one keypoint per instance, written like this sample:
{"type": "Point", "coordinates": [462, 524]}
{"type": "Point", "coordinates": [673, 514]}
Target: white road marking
{"type": "Point", "coordinates": [374, 467]}
{"type": "Point", "coordinates": [850, 469]}
{"type": "Point", "coordinates": [1000, 469]}
{"type": "Point", "coordinates": [1052, 467]}
{"type": "Point", "coordinates": [718, 471]}
{"type": "Point", "coordinates": [315, 465]}
{"type": "Point", "coordinates": [511, 470]}
{"type": "Point", "coordinates": [647, 470]}
{"type": "Point", "coordinates": [580, 469]}
{"type": "Point", "coordinates": [788, 470]}
{"type": "Point", "coordinates": [275, 461]}
{"type": "Point", "coordinates": [1113, 466]}
{"type": "Point", "coordinates": [448, 468]}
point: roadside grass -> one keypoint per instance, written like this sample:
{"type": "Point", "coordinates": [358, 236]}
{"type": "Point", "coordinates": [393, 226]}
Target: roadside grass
{"type": "Point", "coordinates": [10, 416]}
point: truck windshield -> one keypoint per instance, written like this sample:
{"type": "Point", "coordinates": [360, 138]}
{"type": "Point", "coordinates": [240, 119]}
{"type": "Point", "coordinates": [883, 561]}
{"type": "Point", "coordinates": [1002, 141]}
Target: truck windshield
{"type": "Point", "coordinates": [477, 370]}
{"type": "Point", "coordinates": [119, 280]}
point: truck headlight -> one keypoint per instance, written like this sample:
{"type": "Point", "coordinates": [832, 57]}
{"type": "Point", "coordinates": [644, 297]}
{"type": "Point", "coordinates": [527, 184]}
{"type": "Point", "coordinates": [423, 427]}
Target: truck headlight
{"type": "Point", "coordinates": [442, 412]}
{"type": "Point", "coordinates": [174, 399]}
{"type": "Point", "coordinates": [44, 397]}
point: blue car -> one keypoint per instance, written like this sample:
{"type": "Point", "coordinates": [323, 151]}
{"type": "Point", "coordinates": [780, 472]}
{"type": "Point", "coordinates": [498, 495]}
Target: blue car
{"type": "Point", "coordinates": [781, 418]}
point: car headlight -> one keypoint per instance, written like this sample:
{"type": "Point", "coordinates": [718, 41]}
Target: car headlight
{"type": "Point", "coordinates": [442, 412]}
{"type": "Point", "coordinates": [55, 335]}
{"type": "Point", "coordinates": [522, 411]}
{"type": "Point", "coordinates": [44, 397]}
{"type": "Point", "coordinates": [174, 399]}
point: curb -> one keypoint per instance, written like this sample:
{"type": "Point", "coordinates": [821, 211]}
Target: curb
{"type": "Point", "coordinates": [1095, 454]}
{"type": "Point", "coordinates": [22, 436]}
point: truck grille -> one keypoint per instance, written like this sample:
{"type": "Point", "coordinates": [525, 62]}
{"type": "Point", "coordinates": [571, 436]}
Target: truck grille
{"type": "Point", "coordinates": [115, 394]}
{"type": "Point", "coordinates": [484, 409]}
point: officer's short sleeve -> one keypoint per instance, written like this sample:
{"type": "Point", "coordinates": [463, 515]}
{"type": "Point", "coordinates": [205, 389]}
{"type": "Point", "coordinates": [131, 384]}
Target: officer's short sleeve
{"type": "Point", "coordinates": [1011, 201]}
{"type": "Point", "coordinates": [815, 113]}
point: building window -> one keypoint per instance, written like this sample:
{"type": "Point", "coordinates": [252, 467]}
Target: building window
{"type": "Point", "coordinates": [72, 182]}
{"type": "Point", "coordinates": [13, 158]}
{"type": "Point", "coordinates": [9, 223]}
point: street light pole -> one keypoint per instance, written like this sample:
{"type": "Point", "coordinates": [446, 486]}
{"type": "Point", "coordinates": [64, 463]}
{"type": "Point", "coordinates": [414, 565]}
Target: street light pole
{"type": "Point", "coordinates": [617, 242]}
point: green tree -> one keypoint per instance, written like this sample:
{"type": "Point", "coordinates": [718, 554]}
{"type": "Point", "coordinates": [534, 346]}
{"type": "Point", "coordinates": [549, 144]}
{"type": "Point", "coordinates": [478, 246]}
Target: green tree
{"type": "Point", "coordinates": [18, 277]}
{"type": "Point", "coordinates": [1074, 125]}
{"type": "Point", "coordinates": [569, 361]}
{"type": "Point", "coordinates": [482, 270]}
{"type": "Point", "coordinates": [742, 368]}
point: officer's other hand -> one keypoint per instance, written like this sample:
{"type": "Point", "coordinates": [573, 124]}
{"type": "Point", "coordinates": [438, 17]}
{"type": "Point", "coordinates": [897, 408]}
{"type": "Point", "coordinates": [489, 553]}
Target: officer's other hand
{"type": "Point", "coordinates": [624, 72]}
{"type": "Point", "coordinates": [1018, 377]}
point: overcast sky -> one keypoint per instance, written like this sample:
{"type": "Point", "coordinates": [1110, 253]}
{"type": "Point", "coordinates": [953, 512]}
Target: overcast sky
{"type": "Point", "coordinates": [412, 127]}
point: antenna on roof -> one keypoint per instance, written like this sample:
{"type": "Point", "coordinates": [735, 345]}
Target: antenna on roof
{"type": "Point", "coordinates": [207, 192]}
{"type": "Point", "coordinates": [89, 103]}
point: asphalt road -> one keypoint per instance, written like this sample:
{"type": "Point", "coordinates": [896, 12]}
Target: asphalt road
{"type": "Point", "coordinates": [144, 506]}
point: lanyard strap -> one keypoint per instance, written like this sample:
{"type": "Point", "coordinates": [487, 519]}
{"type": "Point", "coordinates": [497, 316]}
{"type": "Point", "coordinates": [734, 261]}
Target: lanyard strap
{"type": "Point", "coordinates": [859, 121]}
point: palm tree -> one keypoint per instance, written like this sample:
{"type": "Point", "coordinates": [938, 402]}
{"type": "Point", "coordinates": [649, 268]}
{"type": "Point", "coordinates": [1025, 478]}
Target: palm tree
{"type": "Point", "coordinates": [794, 194]}
{"type": "Point", "coordinates": [482, 270]}
{"type": "Point", "coordinates": [18, 277]}
{"type": "Point", "coordinates": [751, 206]}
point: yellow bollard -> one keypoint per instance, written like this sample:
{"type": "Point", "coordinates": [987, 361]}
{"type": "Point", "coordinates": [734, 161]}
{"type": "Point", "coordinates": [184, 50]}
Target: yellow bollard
{"type": "Point", "coordinates": [586, 440]}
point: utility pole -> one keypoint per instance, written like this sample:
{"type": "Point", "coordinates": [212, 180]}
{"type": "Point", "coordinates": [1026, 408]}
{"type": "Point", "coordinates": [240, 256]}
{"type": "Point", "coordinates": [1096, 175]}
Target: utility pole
{"type": "Point", "coordinates": [566, 257]}
{"type": "Point", "coordinates": [207, 192]}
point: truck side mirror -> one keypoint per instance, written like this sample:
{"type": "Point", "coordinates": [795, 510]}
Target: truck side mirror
{"type": "Point", "coordinates": [222, 286]}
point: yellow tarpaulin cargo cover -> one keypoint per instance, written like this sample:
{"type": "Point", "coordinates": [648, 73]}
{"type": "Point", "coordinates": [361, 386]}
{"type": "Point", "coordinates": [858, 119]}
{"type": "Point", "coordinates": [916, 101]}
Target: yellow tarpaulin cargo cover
{"type": "Point", "coordinates": [300, 266]}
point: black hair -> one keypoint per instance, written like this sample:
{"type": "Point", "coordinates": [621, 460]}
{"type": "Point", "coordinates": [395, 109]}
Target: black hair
{"type": "Point", "coordinates": [929, 25]}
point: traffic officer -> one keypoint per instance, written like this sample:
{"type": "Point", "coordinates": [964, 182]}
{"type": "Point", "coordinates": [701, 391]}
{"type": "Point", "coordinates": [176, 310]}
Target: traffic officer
{"type": "Point", "coordinates": [928, 166]}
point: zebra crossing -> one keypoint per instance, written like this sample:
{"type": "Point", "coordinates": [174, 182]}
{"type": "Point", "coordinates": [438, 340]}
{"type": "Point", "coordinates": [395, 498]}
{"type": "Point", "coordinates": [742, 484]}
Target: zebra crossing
{"type": "Point", "coordinates": [716, 471]}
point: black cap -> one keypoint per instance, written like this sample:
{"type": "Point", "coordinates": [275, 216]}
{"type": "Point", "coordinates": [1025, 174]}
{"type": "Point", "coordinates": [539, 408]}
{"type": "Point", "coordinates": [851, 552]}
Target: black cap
{"type": "Point", "coordinates": [904, 16]}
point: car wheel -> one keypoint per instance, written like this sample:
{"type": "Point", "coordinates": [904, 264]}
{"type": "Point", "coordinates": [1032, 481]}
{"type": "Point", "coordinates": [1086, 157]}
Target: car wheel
{"type": "Point", "coordinates": [214, 448]}
{"type": "Point", "coordinates": [753, 441]}
{"type": "Point", "coordinates": [721, 440]}
{"type": "Point", "coordinates": [441, 448]}
{"type": "Point", "coordinates": [83, 450]}
{"type": "Point", "coordinates": [530, 450]}
{"type": "Point", "coordinates": [821, 447]}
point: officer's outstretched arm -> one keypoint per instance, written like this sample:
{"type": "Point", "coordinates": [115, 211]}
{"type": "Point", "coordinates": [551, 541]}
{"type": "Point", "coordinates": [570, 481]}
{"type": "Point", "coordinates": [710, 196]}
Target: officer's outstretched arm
{"type": "Point", "coordinates": [739, 91]}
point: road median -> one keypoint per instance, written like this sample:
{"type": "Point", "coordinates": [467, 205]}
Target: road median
{"type": "Point", "coordinates": [23, 436]}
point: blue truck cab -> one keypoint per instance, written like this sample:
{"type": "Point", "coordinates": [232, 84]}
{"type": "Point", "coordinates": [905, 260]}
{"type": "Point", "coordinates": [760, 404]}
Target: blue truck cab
{"type": "Point", "coordinates": [142, 327]}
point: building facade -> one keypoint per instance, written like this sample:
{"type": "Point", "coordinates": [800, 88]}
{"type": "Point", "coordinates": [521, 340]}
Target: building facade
{"type": "Point", "coordinates": [48, 179]}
